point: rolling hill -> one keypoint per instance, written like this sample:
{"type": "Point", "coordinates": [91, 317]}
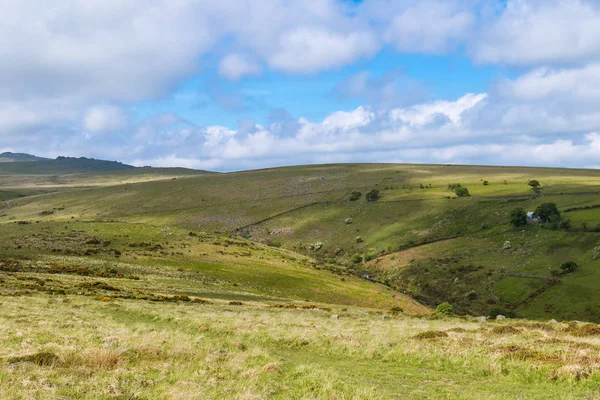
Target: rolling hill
{"type": "Point", "coordinates": [150, 283]}
{"type": "Point", "coordinates": [307, 210]}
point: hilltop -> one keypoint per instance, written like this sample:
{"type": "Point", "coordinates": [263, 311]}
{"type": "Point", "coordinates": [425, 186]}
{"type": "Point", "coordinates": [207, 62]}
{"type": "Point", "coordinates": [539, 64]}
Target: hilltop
{"type": "Point", "coordinates": [19, 157]}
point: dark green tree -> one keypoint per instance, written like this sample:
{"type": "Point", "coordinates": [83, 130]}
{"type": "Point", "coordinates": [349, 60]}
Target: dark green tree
{"type": "Point", "coordinates": [548, 212]}
{"type": "Point", "coordinates": [569, 266]}
{"type": "Point", "coordinates": [462, 191]}
{"type": "Point", "coordinates": [355, 195]}
{"type": "Point", "coordinates": [518, 217]}
{"type": "Point", "coordinates": [373, 195]}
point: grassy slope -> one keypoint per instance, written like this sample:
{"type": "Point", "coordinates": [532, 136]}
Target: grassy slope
{"type": "Point", "coordinates": [79, 347]}
{"type": "Point", "coordinates": [172, 260]}
{"type": "Point", "coordinates": [299, 206]}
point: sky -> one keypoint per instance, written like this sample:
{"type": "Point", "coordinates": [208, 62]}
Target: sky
{"type": "Point", "coordinates": [229, 85]}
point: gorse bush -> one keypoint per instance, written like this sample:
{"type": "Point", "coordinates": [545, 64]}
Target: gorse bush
{"type": "Point", "coordinates": [354, 196]}
{"type": "Point", "coordinates": [373, 195]}
{"type": "Point", "coordinates": [462, 191]}
{"type": "Point", "coordinates": [444, 310]}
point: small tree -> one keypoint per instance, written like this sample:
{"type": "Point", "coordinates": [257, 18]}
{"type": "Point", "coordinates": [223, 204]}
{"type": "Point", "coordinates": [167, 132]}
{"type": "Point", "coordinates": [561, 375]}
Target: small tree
{"type": "Point", "coordinates": [462, 191]}
{"type": "Point", "coordinates": [548, 212]}
{"type": "Point", "coordinates": [569, 266]}
{"type": "Point", "coordinates": [518, 217]}
{"type": "Point", "coordinates": [373, 195]}
{"type": "Point", "coordinates": [565, 225]}
{"type": "Point", "coordinates": [534, 183]}
{"type": "Point", "coordinates": [444, 310]}
{"type": "Point", "coordinates": [355, 195]}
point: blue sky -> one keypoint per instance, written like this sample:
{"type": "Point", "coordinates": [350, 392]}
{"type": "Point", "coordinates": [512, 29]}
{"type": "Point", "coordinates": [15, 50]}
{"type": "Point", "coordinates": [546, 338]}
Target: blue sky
{"type": "Point", "coordinates": [237, 84]}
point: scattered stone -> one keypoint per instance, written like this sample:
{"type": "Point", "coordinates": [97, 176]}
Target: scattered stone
{"type": "Point", "coordinates": [338, 251]}
{"type": "Point", "coordinates": [500, 317]}
{"type": "Point", "coordinates": [481, 319]}
{"type": "Point", "coordinates": [335, 316]}
{"type": "Point", "coordinates": [348, 221]}
{"type": "Point", "coordinates": [359, 239]}
{"type": "Point", "coordinates": [318, 246]}
{"type": "Point", "coordinates": [507, 245]}
{"type": "Point", "coordinates": [596, 253]}
{"type": "Point", "coordinates": [455, 281]}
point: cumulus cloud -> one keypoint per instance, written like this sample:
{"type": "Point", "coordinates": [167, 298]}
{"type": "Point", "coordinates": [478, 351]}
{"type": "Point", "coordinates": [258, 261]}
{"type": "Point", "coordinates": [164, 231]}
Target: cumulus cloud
{"type": "Point", "coordinates": [235, 66]}
{"type": "Point", "coordinates": [104, 119]}
{"type": "Point", "coordinates": [429, 27]}
{"type": "Point", "coordinates": [539, 32]}
{"type": "Point", "coordinates": [310, 50]}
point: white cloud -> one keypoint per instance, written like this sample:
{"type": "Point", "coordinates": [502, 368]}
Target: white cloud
{"type": "Point", "coordinates": [309, 50]}
{"type": "Point", "coordinates": [235, 66]}
{"type": "Point", "coordinates": [541, 32]}
{"type": "Point", "coordinates": [104, 119]}
{"type": "Point", "coordinates": [429, 27]}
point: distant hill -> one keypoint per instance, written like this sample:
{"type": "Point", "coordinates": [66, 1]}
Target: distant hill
{"type": "Point", "coordinates": [61, 165]}
{"type": "Point", "coordinates": [19, 157]}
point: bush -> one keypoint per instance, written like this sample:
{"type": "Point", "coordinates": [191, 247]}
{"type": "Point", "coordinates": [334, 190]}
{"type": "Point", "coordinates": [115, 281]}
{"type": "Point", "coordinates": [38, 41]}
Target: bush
{"type": "Point", "coordinates": [569, 266]}
{"type": "Point", "coordinates": [356, 258]}
{"type": "Point", "coordinates": [354, 196]}
{"type": "Point", "coordinates": [444, 310]}
{"type": "Point", "coordinates": [534, 183]}
{"type": "Point", "coordinates": [494, 312]}
{"type": "Point", "coordinates": [518, 217]}
{"type": "Point", "coordinates": [462, 191]}
{"type": "Point", "coordinates": [565, 225]}
{"type": "Point", "coordinates": [485, 183]}
{"type": "Point", "coordinates": [548, 212]}
{"type": "Point", "coordinates": [373, 195]}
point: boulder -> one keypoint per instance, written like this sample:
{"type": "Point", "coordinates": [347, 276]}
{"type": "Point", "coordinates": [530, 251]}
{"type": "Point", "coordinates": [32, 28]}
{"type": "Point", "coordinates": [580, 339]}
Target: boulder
{"type": "Point", "coordinates": [348, 221]}
{"type": "Point", "coordinates": [359, 239]}
{"type": "Point", "coordinates": [500, 317]}
{"type": "Point", "coordinates": [338, 251]}
{"type": "Point", "coordinates": [335, 316]}
{"type": "Point", "coordinates": [552, 321]}
{"type": "Point", "coordinates": [596, 253]}
{"type": "Point", "coordinates": [507, 245]}
{"type": "Point", "coordinates": [481, 319]}
{"type": "Point", "coordinates": [318, 246]}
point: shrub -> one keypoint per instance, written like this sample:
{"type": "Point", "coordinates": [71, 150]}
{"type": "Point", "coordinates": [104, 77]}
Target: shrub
{"type": "Point", "coordinates": [548, 212]}
{"type": "Point", "coordinates": [462, 191]}
{"type": "Point", "coordinates": [534, 183]}
{"type": "Point", "coordinates": [485, 183]}
{"type": "Point", "coordinates": [444, 310]}
{"type": "Point", "coordinates": [396, 310]}
{"type": "Point", "coordinates": [354, 196]}
{"type": "Point", "coordinates": [518, 217]}
{"type": "Point", "coordinates": [373, 195]}
{"type": "Point", "coordinates": [494, 312]}
{"type": "Point", "coordinates": [565, 225]}
{"type": "Point", "coordinates": [356, 258]}
{"type": "Point", "coordinates": [569, 266]}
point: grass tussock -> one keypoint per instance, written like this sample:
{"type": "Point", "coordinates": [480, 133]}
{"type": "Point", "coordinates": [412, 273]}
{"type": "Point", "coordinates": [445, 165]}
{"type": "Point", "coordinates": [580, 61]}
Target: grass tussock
{"type": "Point", "coordinates": [430, 335]}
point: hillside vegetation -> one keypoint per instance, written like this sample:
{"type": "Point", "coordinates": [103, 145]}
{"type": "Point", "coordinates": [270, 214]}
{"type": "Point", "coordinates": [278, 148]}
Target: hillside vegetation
{"type": "Point", "coordinates": [300, 282]}
{"type": "Point", "coordinates": [308, 210]}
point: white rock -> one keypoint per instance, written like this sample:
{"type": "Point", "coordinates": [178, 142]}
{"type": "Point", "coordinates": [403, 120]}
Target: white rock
{"type": "Point", "coordinates": [335, 316]}
{"type": "Point", "coordinates": [507, 245]}
{"type": "Point", "coordinates": [500, 317]}
{"type": "Point", "coordinates": [481, 319]}
{"type": "Point", "coordinates": [552, 321]}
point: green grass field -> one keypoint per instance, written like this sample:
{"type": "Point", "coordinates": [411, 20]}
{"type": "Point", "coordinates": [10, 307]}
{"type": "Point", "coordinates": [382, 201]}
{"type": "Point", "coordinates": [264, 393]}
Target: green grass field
{"type": "Point", "coordinates": [169, 283]}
